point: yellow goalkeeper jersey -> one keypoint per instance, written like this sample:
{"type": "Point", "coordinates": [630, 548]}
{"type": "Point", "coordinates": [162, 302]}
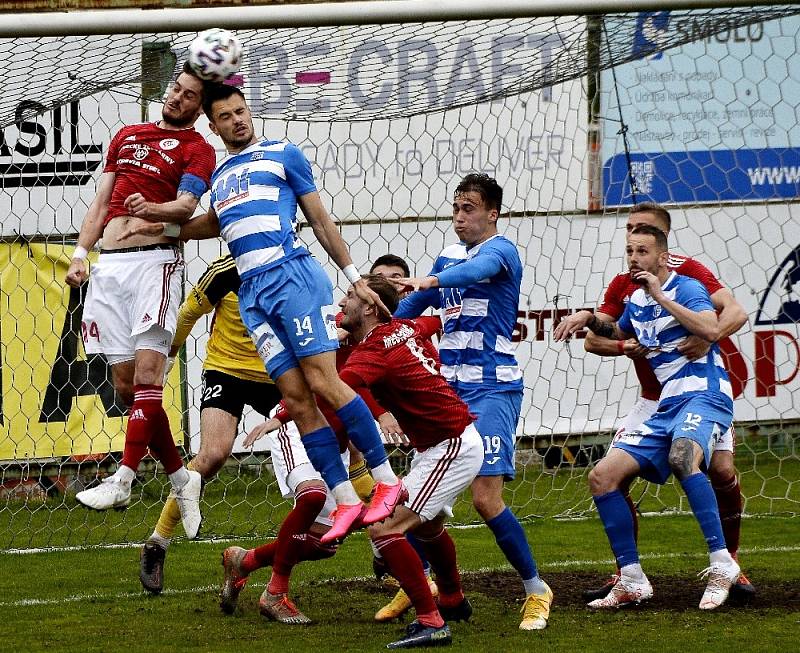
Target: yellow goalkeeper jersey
{"type": "Point", "coordinates": [229, 349]}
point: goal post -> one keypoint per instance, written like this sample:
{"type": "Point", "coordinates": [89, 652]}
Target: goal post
{"type": "Point", "coordinates": [689, 104]}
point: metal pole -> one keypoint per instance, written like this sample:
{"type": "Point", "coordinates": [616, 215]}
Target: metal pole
{"type": "Point", "coordinates": [135, 21]}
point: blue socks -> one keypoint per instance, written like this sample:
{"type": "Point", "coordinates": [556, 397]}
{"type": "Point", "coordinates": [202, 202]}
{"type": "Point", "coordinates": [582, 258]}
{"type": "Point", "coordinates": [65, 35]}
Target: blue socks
{"type": "Point", "coordinates": [362, 431]}
{"type": "Point", "coordinates": [704, 506]}
{"type": "Point", "coordinates": [617, 520]}
{"type": "Point", "coordinates": [323, 452]}
{"type": "Point", "coordinates": [512, 542]}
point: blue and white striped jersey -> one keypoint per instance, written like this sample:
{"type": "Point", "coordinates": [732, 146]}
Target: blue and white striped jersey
{"type": "Point", "coordinates": [254, 194]}
{"type": "Point", "coordinates": [660, 332]}
{"type": "Point", "coordinates": [477, 321]}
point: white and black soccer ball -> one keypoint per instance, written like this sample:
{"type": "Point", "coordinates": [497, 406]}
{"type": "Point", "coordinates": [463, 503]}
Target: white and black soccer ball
{"type": "Point", "coordinates": [215, 55]}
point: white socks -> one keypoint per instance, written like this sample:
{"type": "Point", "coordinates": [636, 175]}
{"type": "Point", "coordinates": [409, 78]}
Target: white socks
{"type": "Point", "coordinates": [179, 478]}
{"type": "Point", "coordinates": [383, 474]}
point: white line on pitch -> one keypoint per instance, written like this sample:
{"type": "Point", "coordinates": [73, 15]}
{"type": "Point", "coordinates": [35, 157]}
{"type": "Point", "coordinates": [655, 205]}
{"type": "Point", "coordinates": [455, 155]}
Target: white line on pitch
{"type": "Point", "coordinates": [558, 564]}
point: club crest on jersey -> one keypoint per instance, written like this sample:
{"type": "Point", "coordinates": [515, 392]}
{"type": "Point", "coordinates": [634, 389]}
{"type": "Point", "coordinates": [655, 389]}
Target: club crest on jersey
{"type": "Point", "coordinates": [169, 143]}
{"type": "Point", "coordinates": [657, 310]}
{"type": "Point", "coordinates": [256, 156]}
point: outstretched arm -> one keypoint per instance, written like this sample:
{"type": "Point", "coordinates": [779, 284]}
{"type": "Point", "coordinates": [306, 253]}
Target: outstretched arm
{"type": "Point", "coordinates": [328, 235]}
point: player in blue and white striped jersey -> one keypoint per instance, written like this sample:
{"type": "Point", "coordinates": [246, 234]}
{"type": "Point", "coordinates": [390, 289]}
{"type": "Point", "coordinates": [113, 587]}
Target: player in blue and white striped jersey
{"type": "Point", "coordinates": [476, 286]}
{"type": "Point", "coordinates": [694, 410]}
{"type": "Point", "coordinates": [286, 299]}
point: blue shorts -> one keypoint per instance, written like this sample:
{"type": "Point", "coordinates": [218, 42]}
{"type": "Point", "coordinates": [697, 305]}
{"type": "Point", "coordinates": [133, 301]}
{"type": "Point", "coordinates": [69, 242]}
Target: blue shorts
{"type": "Point", "coordinates": [700, 418]}
{"type": "Point", "coordinates": [497, 413]}
{"type": "Point", "coordinates": [289, 313]}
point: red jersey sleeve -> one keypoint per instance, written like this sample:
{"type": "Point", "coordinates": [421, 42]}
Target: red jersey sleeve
{"type": "Point", "coordinates": [428, 325]}
{"type": "Point", "coordinates": [614, 298]}
{"type": "Point", "coordinates": [113, 152]}
{"type": "Point", "coordinates": [201, 160]}
{"type": "Point", "coordinates": [696, 270]}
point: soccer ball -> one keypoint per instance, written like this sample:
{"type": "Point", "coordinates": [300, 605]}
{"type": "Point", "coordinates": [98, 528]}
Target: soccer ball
{"type": "Point", "coordinates": [215, 55]}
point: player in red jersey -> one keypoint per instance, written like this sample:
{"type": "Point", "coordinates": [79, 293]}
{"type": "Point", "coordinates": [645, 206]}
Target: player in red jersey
{"type": "Point", "coordinates": [401, 369]}
{"type": "Point", "coordinates": [732, 316]}
{"type": "Point", "coordinates": [153, 170]}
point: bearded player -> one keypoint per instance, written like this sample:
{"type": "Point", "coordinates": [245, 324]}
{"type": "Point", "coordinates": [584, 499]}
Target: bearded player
{"type": "Point", "coordinates": [154, 171]}
{"type": "Point", "coordinates": [723, 474]}
{"type": "Point", "coordinates": [694, 409]}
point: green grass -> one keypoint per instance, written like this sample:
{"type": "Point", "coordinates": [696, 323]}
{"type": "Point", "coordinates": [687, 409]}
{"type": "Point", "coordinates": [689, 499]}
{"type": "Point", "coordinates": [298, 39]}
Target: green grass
{"type": "Point", "coordinates": [113, 614]}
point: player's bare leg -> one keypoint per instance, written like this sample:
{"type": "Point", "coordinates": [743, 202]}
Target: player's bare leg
{"type": "Point", "coordinates": [323, 379]}
{"type": "Point", "coordinates": [725, 481]}
{"type": "Point", "coordinates": [217, 435]}
{"type": "Point", "coordinates": [487, 497]}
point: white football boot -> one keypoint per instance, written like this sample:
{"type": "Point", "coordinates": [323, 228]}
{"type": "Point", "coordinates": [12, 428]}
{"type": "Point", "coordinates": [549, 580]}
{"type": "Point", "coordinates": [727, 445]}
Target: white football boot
{"type": "Point", "coordinates": [188, 498]}
{"type": "Point", "coordinates": [721, 575]}
{"type": "Point", "coordinates": [626, 591]}
{"type": "Point", "coordinates": [111, 493]}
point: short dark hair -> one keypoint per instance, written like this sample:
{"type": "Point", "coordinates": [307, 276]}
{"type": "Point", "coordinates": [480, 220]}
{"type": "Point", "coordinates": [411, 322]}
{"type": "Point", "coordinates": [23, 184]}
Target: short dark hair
{"type": "Point", "coordinates": [190, 71]}
{"type": "Point", "coordinates": [656, 209]}
{"type": "Point", "coordinates": [393, 260]}
{"type": "Point", "coordinates": [650, 230]}
{"type": "Point", "coordinates": [490, 191]}
{"type": "Point", "coordinates": [214, 92]}
{"type": "Point", "coordinates": [386, 291]}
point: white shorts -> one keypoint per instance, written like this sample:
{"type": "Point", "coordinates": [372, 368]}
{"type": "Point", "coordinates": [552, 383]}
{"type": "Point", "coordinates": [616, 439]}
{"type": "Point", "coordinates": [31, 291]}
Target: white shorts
{"type": "Point", "coordinates": [292, 466]}
{"type": "Point", "coordinates": [132, 302]}
{"type": "Point", "coordinates": [644, 409]}
{"type": "Point", "coordinates": [439, 474]}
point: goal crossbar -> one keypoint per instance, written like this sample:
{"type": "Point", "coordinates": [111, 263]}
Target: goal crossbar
{"type": "Point", "coordinates": [134, 21]}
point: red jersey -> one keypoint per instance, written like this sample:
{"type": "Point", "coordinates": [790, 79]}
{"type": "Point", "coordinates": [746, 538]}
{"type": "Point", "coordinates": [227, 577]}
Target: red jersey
{"type": "Point", "coordinates": [401, 368]}
{"type": "Point", "coordinates": [152, 161]}
{"type": "Point", "coordinates": [621, 288]}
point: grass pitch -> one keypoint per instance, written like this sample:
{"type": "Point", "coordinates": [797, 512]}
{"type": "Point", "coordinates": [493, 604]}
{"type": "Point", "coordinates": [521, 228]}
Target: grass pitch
{"type": "Point", "coordinates": [90, 599]}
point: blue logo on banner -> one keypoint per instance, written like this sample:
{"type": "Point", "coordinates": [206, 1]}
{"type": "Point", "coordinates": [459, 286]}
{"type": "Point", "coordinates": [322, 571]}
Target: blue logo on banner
{"type": "Point", "coordinates": [651, 33]}
{"type": "Point", "coordinates": [781, 301]}
{"type": "Point", "coordinates": [703, 176]}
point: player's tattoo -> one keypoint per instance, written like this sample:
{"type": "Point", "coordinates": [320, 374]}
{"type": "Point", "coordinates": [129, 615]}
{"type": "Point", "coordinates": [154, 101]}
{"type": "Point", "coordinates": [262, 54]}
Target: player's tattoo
{"type": "Point", "coordinates": [601, 328]}
{"type": "Point", "coordinates": [681, 455]}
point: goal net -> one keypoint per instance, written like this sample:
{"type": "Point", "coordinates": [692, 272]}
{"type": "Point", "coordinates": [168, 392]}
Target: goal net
{"type": "Point", "coordinates": [578, 118]}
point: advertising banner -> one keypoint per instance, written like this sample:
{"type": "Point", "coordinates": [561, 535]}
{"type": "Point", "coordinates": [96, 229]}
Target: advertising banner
{"type": "Point", "coordinates": [56, 401]}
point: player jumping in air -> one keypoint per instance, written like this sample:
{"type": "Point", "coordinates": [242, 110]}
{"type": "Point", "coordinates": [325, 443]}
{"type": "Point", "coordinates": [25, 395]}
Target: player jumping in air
{"type": "Point", "coordinates": [476, 286]}
{"type": "Point", "coordinates": [722, 472]}
{"type": "Point", "coordinates": [286, 299]}
{"type": "Point", "coordinates": [401, 369]}
{"type": "Point", "coordinates": [155, 171]}
{"type": "Point", "coordinates": [694, 409]}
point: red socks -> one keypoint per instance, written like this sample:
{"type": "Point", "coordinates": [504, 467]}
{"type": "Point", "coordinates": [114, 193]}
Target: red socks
{"type": "Point", "coordinates": [729, 499]}
{"type": "Point", "coordinates": [293, 543]}
{"type": "Point", "coordinates": [405, 565]}
{"type": "Point", "coordinates": [148, 425]}
{"type": "Point", "coordinates": [441, 553]}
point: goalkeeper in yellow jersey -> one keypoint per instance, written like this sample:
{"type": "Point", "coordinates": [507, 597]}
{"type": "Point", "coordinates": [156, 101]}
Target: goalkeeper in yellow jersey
{"type": "Point", "coordinates": [233, 376]}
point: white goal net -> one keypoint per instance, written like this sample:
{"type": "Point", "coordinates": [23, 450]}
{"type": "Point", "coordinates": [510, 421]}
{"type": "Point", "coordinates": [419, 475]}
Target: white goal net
{"type": "Point", "coordinates": [578, 118]}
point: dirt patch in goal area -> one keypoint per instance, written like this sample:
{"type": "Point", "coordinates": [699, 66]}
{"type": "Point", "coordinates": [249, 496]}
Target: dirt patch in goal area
{"type": "Point", "coordinates": [674, 593]}
{"type": "Point", "coordinates": [669, 592]}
